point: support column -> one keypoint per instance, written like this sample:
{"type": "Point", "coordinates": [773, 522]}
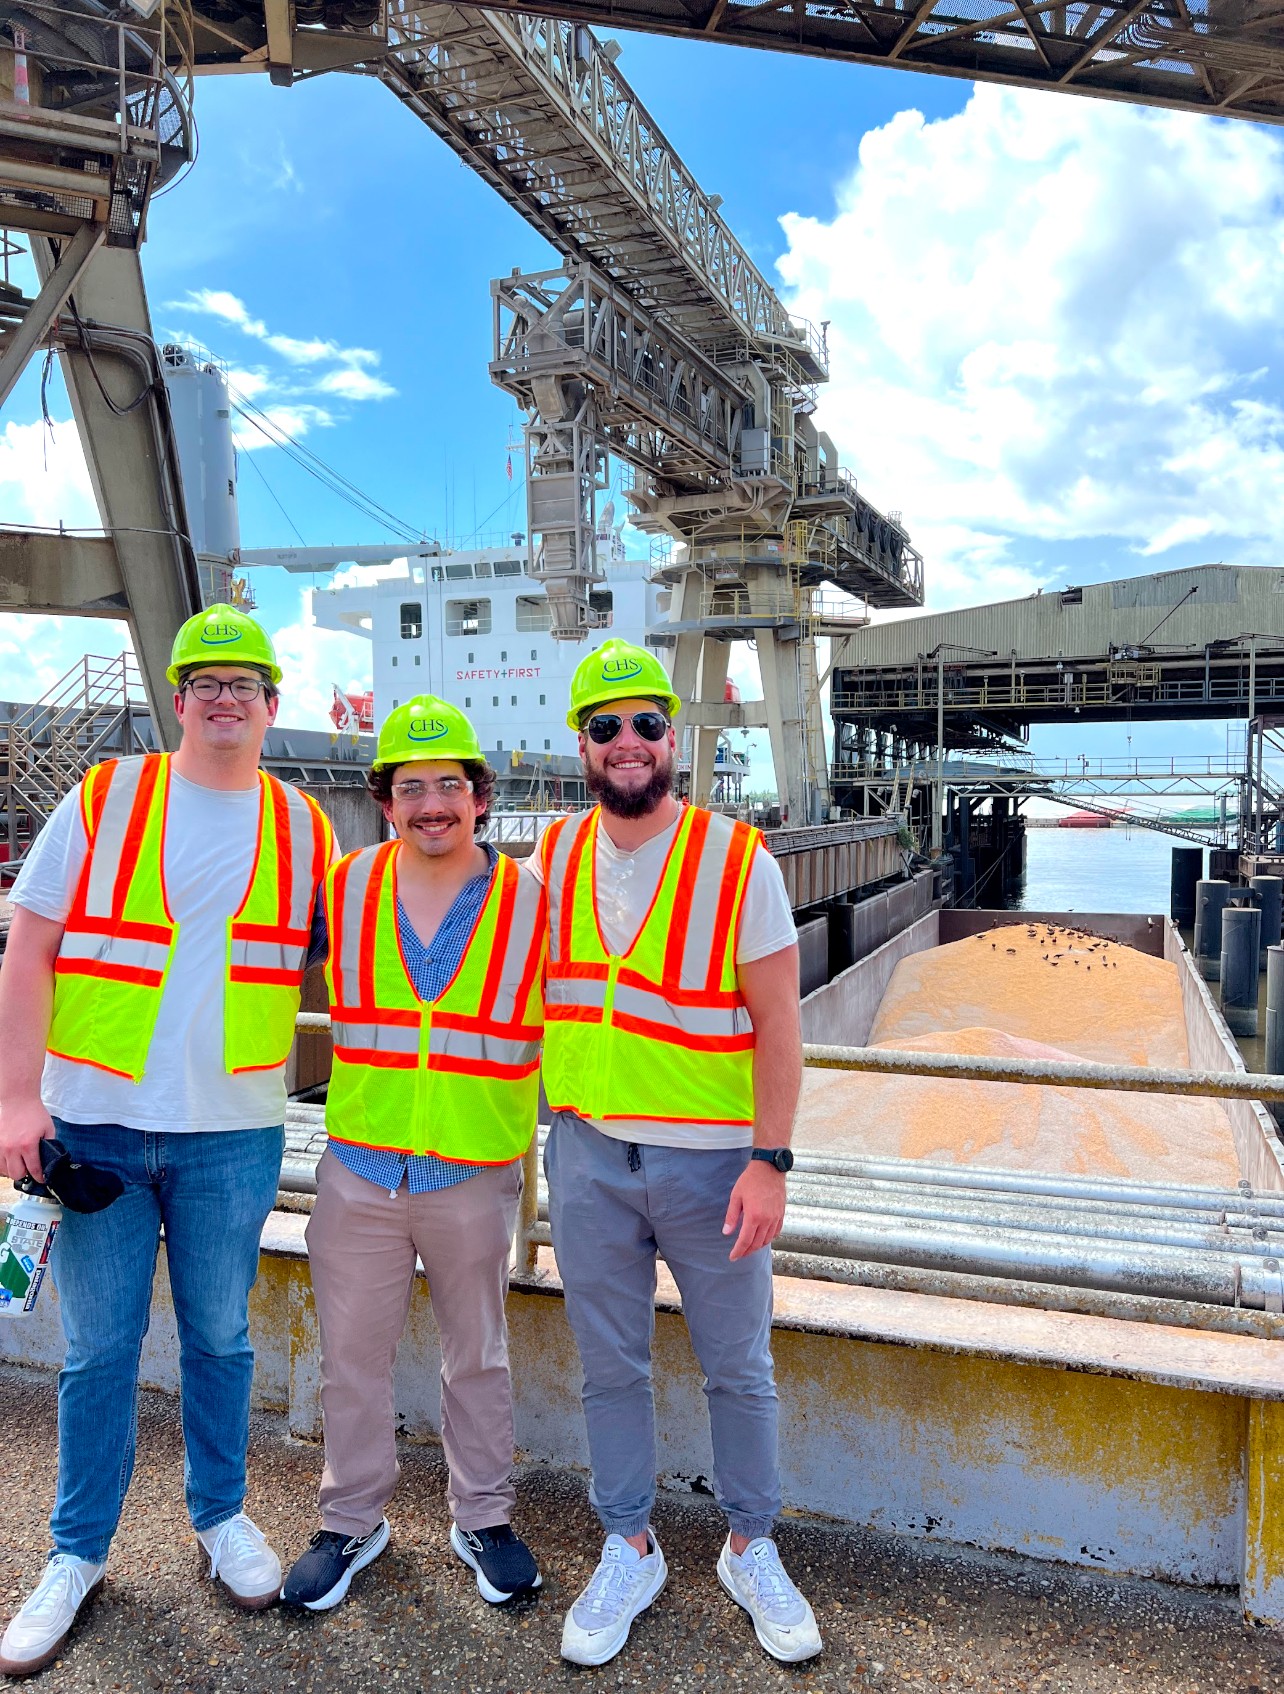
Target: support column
{"type": "Point", "coordinates": [133, 462]}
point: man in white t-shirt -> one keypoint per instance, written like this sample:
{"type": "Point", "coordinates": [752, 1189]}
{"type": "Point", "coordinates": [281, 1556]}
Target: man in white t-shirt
{"type": "Point", "coordinates": [148, 996]}
{"type": "Point", "coordinates": [672, 1065]}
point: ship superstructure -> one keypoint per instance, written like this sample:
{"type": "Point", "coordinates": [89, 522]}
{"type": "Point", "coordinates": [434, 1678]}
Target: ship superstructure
{"type": "Point", "coordinates": [474, 626]}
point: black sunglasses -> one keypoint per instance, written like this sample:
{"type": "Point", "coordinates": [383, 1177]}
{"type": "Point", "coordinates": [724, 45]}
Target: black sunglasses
{"type": "Point", "coordinates": [603, 727]}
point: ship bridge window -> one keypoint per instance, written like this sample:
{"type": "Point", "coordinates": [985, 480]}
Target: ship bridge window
{"type": "Point", "coordinates": [439, 573]}
{"type": "Point", "coordinates": [459, 573]}
{"type": "Point", "coordinates": [603, 603]}
{"type": "Point", "coordinates": [412, 620]}
{"type": "Point", "coordinates": [508, 567]}
{"type": "Point", "coordinates": [481, 568]}
{"type": "Point", "coordinates": [468, 617]}
{"type": "Point", "coordinates": [533, 613]}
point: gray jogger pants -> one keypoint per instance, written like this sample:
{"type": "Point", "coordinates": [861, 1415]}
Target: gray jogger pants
{"type": "Point", "coordinates": [609, 1221]}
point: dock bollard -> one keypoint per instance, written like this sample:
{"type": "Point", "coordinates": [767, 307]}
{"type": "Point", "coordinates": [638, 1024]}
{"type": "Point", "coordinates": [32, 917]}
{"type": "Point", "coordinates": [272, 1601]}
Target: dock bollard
{"type": "Point", "coordinates": [1241, 927]}
{"type": "Point", "coordinates": [1270, 894]}
{"type": "Point", "coordinates": [1188, 867]}
{"type": "Point", "coordinates": [1210, 902]}
{"type": "Point", "coordinates": [1275, 1014]}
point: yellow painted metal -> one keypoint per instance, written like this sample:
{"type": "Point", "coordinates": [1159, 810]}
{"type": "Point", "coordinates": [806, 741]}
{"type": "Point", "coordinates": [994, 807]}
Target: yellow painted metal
{"type": "Point", "coordinates": [1262, 1579]}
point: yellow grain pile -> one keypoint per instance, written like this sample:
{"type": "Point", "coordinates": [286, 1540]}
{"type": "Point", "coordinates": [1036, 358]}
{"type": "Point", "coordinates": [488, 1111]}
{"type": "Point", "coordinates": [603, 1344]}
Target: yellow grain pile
{"type": "Point", "coordinates": [1027, 992]}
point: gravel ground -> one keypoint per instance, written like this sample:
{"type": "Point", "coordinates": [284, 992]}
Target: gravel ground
{"type": "Point", "coordinates": [895, 1614]}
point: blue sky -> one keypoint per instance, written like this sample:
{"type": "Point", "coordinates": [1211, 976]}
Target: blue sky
{"type": "Point", "coordinates": [1056, 341]}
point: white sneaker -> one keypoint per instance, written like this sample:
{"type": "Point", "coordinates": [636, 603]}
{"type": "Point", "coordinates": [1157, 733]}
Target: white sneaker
{"type": "Point", "coordinates": [242, 1561]}
{"type": "Point", "coordinates": [624, 1584]}
{"type": "Point", "coordinates": [37, 1631]}
{"type": "Point", "coordinates": [783, 1621]}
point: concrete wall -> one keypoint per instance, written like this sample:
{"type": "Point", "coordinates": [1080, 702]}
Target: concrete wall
{"type": "Point", "coordinates": [1213, 1048]}
{"type": "Point", "coordinates": [357, 820]}
{"type": "Point", "coordinates": [1118, 1446]}
{"type": "Point", "coordinates": [842, 1013]}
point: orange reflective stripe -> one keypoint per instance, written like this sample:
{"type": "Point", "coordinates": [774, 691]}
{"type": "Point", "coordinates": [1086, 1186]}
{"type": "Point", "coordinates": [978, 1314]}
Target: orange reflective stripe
{"type": "Point", "coordinates": [369, 922]}
{"type": "Point", "coordinates": [508, 872]}
{"type": "Point", "coordinates": [284, 849]}
{"type": "Point", "coordinates": [125, 930]}
{"type": "Point", "coordinates": [263, 974]}
{"type": "Point", "coordinates": [687, 878]}
{"type": "Point", "coordinates": [534, 956]}
{"type": "Point", "coordinates": [574, 866]}
{"type": "Point", "coordinates": [742, 843]}
{"type": "Point", "coordinates": [670, 1037]}
{"type": "Point", "coordinates": [571, 969]}
{"type": "Point", "coordinates": [572, 1014]}
{"type": "Point", "coordinates": [108, 972]}
{"type": "Point", "coordinates": [320, 842]}
{"type": "Point", "coordinates": [133, 841]}
{"type": "Point", "coordinates": [381, 1060]}
{"type": "Point", "coordinates": [681, 996]}
{"type": "Point", "coordinates": [402, 1018]}
{"type": "Point", "coordinates": [485, 1026]}
{"type": "Point", "coordinates": [466, 1066]}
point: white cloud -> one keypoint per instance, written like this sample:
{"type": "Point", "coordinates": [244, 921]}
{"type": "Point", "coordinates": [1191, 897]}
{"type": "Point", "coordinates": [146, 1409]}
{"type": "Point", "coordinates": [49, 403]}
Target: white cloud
{"type": "Point", "coordinates": [43, 479]}
{"type": "Point", "coordinates": [355, 385]}
{"type": "Point", "coordinates": [37, 652]}
{"type": "Point", "coordinates": [1050, 322]}
{"type": "Point", "coordinates": [349, 380]}
{"type": "Point", "coordinates": [361, 576]}
{"type": "Point", "coordinates": [313, 661]}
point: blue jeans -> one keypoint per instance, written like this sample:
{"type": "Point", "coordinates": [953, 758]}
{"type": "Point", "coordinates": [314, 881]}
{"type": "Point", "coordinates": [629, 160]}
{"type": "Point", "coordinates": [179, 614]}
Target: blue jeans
{"type": "Point", "coordinates": [213, 1191]}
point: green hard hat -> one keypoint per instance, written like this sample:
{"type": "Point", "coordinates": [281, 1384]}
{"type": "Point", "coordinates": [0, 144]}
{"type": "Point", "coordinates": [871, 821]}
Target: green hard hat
{"type": "Point", "coordinates": [222, 635]}
{"type": "Point", "coordinates": [426, 727]}
{"type": "Point", "coordinates": [617, 670]}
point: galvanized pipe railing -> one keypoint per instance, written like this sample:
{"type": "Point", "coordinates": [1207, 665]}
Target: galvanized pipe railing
{"type": "Point", "coordinates": [1207, 1246]}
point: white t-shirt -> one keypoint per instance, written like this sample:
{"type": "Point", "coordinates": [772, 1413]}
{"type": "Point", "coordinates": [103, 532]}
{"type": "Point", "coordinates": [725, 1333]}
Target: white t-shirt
{"type": "Point", "coordinates": [210, 839]}
{"type": "Point", "coordinates": [626, 886]}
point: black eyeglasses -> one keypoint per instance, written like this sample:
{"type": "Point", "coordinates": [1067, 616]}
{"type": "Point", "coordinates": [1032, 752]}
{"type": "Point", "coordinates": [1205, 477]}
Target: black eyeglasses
{"type": "Point", "coordinates": [603, 727]}
{"type": "Point", "coordinates": [242, 688]}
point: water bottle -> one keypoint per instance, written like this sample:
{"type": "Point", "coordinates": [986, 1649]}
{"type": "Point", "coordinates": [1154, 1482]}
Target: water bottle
{"type": "Point", "coordinates": [24, 1251]}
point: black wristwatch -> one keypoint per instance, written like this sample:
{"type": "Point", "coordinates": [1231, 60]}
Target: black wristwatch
{"type": "Point", "coordinates": [781, 1157]}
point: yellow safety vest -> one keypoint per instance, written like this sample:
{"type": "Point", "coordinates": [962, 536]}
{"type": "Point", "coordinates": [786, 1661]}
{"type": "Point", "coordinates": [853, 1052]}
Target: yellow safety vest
{"type": "Point", "coordinates": [119, 938]}
{"type": "Point", "coordinates": [662, 1032]}
{"type": "Point", "coordinates": [457, 1076]}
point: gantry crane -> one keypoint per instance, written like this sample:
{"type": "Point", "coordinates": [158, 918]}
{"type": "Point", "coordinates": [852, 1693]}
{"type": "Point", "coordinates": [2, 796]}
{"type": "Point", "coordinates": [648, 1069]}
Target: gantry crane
{"type": "Point", "coordinates": [655, 342]}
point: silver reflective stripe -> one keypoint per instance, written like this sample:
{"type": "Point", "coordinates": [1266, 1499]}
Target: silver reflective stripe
{"type": "Point", "coordinates": [523, 935]}
{"type": "Point", "coordinates": [302, 887]}
{"type": "Point", "coordinates": [266, 956]}
{"type": "Point", "coordinates": [348, 945]}
{"type": "Point", "coordinates": [109, 838]}
{"type": "Point", "coordinates": [683, 1020]}
{"type": "Point", "coordinates": [375, 1037]}
{"type": "Point", "coordinates": [555, 877]}
{"type": "Point", "coordinates": [475, 1048]}
{"type": "Point", "coordinates": [113, 950]}
{"type": "Point", "coordinates": [576, 991]}
{"type": "Point", "coordinates": [697, 951]}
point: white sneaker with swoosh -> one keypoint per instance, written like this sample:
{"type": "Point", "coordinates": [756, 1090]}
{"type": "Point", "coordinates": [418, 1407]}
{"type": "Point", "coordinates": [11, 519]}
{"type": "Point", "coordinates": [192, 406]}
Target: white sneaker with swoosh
{"type": "Point", "coordinates": [624, 1584]}
{"type": "Point", "coordinates": [782, 1620]}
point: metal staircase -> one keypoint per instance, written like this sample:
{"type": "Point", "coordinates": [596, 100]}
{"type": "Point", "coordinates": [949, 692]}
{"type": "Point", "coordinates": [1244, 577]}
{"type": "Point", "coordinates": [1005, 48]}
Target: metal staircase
{"type": "Point", "coordinates": [97, 711]}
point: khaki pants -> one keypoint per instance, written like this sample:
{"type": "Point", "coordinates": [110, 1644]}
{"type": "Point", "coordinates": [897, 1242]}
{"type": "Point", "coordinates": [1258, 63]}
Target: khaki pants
{"type": "Point", "coordinates": [362, 1243]}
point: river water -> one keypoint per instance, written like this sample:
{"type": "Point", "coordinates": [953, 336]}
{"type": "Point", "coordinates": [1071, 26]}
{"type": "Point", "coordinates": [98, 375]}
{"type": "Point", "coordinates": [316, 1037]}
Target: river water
{"type": "Point", "coordinates": [1097, 870]}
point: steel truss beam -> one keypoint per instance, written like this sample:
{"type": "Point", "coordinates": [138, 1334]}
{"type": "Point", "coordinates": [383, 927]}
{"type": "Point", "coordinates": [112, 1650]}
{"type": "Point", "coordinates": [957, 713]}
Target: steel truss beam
{"type": "Point", "coordinates": [1157, 53]}
{"type": "Point", "coordinates": [661, 405]}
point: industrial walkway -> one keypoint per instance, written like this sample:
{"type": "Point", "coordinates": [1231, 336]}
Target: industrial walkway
{"type": "Point", "coordinates": [896, 1614]}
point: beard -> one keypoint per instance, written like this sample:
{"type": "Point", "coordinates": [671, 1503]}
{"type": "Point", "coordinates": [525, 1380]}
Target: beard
{"type": "Point", "coordinates": [629, 802]}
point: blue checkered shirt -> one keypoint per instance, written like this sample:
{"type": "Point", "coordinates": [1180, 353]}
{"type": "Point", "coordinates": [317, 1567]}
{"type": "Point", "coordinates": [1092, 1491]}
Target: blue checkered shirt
{"type": "Point", "coordinates": [430, 968]}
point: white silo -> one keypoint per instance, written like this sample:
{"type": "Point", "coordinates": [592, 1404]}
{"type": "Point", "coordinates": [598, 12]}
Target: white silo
{"type": "Point", "coordinates": [202, 412]}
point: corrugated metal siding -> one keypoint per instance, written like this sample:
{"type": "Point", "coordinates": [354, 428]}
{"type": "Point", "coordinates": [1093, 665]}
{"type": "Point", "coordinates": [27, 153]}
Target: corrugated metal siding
{"type": "Point", "coordinates": [1231, 601]}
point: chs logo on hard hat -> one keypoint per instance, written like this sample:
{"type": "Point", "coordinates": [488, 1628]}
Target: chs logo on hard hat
{"type": "Point", "coordinates": [217, 634]}
{"type": "Point", "coordinates": [426, 729]}
{"type": "Point", "coordinates": [620, 670]}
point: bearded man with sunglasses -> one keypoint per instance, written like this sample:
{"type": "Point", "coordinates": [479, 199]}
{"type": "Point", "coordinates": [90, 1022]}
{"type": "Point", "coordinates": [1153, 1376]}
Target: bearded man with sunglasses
{"type": "Point", "coordinates": [436, 954]}
{"type": "Point", "coordinates": [148, 1000]}
{"type": "Point", "coordinates": [672, 1066]}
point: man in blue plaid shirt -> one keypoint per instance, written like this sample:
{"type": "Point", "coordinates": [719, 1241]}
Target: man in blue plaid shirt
{"type": "Point", "coordinates": [415, 927]}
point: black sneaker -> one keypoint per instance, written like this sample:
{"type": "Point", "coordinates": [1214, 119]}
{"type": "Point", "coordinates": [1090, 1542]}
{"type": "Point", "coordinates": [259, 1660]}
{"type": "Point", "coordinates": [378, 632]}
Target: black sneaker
{"type": "Point", "coordinates": [319, 1578]}
{"type": "Point", "coordinates": [503, 1562]}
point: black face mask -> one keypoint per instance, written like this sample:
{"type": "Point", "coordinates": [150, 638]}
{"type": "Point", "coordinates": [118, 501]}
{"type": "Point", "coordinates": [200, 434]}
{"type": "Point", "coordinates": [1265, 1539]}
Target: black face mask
{"type": "Point", "coordinates": [80, 1188]}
